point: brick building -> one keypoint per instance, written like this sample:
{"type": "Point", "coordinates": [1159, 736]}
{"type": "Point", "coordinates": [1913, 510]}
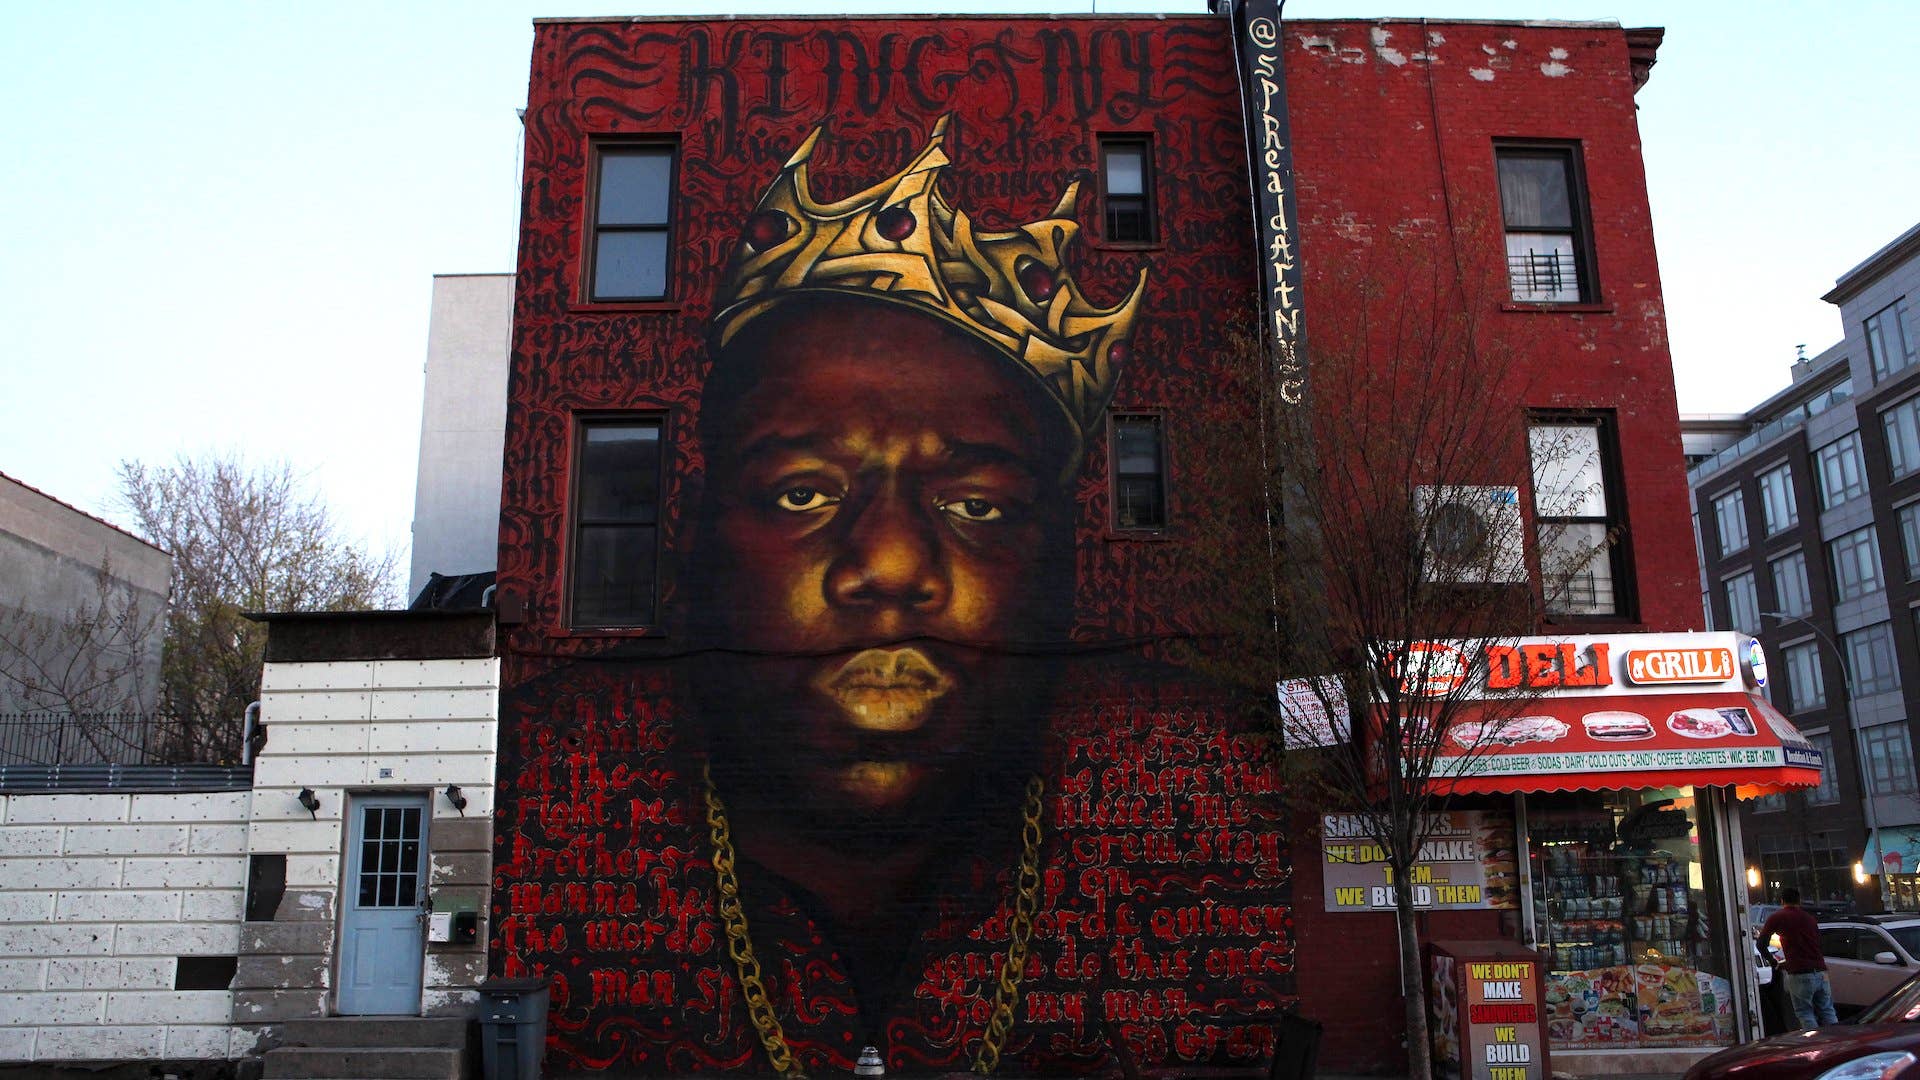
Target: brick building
{"type": "Point", "coordinates": [782, 555]}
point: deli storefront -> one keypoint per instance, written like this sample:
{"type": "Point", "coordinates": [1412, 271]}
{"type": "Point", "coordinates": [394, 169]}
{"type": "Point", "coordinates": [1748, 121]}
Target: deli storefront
{"type": "Point", "coordinates": [1620, 759]}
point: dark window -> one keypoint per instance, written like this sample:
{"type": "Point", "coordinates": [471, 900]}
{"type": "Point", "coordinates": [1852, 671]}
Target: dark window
{"type": "Point", "coordinates": [1549, 255]}
{"type": "Point", "coordinates": [1139, 474]}
{"type": "Point", "coordinates": [1888, 346]}
{"type": "Point", "coordinates": [1126, 172]}
{"type": "Point", "coordinates": [632, 199]}
{"type": "Point", "coordinates": [204, 972]}
{"type": "Point", "coordinates": [1580, 515]}
{"type": "Point", "coordinates": [616, 522]}
{"type": "Point", "coordinates": [1839, 943]}
{"type": "Point", "coordinates": [266, 884]}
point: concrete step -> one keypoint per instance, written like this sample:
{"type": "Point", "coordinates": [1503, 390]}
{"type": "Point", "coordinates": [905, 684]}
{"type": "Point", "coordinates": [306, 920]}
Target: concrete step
{"type": "Point", "coordinates": [376, 1063]}
{"type": "Point", "coordinates": [372, 1032]}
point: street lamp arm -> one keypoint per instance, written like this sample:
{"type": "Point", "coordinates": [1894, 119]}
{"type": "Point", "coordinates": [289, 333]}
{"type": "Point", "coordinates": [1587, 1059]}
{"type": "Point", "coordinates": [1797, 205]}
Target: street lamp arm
{"type": "Point", "coordinates": [1859, 739]}
{"type": "Point", "coordinates": [1846, 676]}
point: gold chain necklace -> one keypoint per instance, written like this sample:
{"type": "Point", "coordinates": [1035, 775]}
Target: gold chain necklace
{"type": "Point", "coordinates": [753, 988]}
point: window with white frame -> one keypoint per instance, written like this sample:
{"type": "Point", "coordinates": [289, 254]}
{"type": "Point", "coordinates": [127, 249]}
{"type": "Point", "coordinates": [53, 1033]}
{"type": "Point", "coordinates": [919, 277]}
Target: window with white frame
{"type": "Point", "coordinates": [1870, 663]}
{"type": "Point", "coordinates": [1789, 574]}
{"type": "Point", "coordinates": [1580, 516]}
{"type": "Point", "coordinates": [1889, 751]}
{"type": "Point", "coordinates": [1743, 603]}
{"type": "Point", "coordinates": [1909, 517]}
{"type": "Point", "coordinates": [1730, 518]}
{"type": "Point", "coordinates": [1855, 558]}
{"type": "Point", "coordinates": [1806, 683]}
{"type": "Point", "coordinates": [1841, 475]}
{"type": "Point", "coordinates": [1778, 510]}
{"type": "Point", "coordinates": [1902, 423]}
{"type": "Point", "coordinates": [1888, 346]}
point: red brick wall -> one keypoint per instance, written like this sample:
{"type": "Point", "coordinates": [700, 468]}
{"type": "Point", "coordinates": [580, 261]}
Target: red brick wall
{"type": "Point", "coordinates": [601, 822]}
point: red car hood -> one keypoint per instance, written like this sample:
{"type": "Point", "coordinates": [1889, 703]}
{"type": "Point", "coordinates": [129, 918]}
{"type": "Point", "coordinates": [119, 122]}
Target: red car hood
{"type": "Point", "coordinates": [1803, 1055]}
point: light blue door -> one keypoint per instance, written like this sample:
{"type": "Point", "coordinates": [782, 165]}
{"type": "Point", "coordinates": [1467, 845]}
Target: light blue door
{"type": "Point", "coordinates": [381, 922]}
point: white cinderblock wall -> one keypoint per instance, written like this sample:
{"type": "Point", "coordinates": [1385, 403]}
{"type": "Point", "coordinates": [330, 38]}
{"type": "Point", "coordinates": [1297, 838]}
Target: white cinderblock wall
{"type": "Point", "coordinates": [342, 727]}
{"type": "Point", "coordinates": [100, 894]}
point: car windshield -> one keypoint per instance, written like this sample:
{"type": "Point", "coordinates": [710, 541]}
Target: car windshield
{"type": "Point", "coordinates": [1901, 1005]}
{"type": "Point", "coordinates": [1908, 937]}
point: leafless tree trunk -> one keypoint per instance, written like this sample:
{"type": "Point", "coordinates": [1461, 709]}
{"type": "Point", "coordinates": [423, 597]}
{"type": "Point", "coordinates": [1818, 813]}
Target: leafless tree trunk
{"type": "Point", "coordinates": [1400, 538]}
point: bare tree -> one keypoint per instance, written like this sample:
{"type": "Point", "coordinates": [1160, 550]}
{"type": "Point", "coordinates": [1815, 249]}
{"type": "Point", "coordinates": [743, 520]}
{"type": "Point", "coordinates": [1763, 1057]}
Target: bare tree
{"type": "Point", "coordinates": [1380, 548]}
{"type": "Point", "coordinates": [80, 679]}
{"type": "Point", "coordinates": [244, 539]}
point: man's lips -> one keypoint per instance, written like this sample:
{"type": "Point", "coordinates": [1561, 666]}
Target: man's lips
{"type": "Point", "coordinates": [885, 689]}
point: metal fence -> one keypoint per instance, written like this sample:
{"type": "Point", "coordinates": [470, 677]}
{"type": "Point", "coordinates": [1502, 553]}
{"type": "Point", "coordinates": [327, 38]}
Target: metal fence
{"type": "Point", "coordinates": [119, 752]}
{"type": "Point", "coordinates": [67, 738]}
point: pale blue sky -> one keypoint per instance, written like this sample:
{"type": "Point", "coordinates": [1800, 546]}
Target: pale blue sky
{"type": "Point", "coordinates": [219, 221]}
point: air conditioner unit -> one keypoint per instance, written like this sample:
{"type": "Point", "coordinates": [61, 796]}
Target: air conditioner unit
{"type": "Point", "coordinates": [1474, 533]}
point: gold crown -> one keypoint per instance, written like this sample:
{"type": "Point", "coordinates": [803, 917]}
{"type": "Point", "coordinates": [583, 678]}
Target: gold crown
{"type": "Point", "coordinates": [900, 241]}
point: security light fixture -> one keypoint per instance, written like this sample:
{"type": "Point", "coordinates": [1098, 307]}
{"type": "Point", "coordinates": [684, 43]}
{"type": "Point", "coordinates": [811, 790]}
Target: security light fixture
{"type": "Point", "coordinates": [458, 800]}
{"type": "Point", "coordinates": [311, 801]}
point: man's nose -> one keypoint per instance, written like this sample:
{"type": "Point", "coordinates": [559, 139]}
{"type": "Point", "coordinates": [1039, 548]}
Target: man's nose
{"type": "Point", "coordinates": [892, 559]}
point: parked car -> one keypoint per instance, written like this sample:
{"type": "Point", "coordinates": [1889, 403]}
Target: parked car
{"type": "Point", "coordinates": [1868, 955]}
{"type": "Point", "coordinates": [1883, 1044]}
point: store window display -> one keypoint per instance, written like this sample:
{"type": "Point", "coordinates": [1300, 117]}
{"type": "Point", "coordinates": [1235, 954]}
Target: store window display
{"type": "Point", "coordinates": [1626, 913]}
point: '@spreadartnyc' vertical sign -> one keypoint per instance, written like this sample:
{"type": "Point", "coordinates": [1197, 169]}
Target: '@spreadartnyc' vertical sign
{"type": "Point", "coordinates": [1263, 90]}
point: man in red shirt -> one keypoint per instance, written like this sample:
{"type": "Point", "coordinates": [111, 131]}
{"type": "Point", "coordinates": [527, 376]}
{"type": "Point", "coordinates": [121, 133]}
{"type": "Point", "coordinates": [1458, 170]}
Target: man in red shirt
{"type": "Point", "coordinates": [1806, 969]}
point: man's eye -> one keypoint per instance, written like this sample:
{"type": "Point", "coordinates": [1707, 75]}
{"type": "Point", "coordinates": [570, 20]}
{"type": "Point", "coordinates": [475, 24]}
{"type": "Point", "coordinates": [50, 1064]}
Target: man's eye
{"type": "Point", "coordinates": [971, 509]}
{"type": "Point", "coordinates": [802, 499]}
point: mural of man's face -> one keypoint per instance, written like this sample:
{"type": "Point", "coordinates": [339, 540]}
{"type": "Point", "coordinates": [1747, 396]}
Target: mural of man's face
{"type": "Point", "coordinates": [886, 513]}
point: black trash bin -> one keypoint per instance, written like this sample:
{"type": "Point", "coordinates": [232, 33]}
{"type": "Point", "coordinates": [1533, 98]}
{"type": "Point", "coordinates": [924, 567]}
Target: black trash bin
{"type": "Point", "coordinates": [513, 1028]}
{"type": "Point", "coordinates": [1296, 1051]}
